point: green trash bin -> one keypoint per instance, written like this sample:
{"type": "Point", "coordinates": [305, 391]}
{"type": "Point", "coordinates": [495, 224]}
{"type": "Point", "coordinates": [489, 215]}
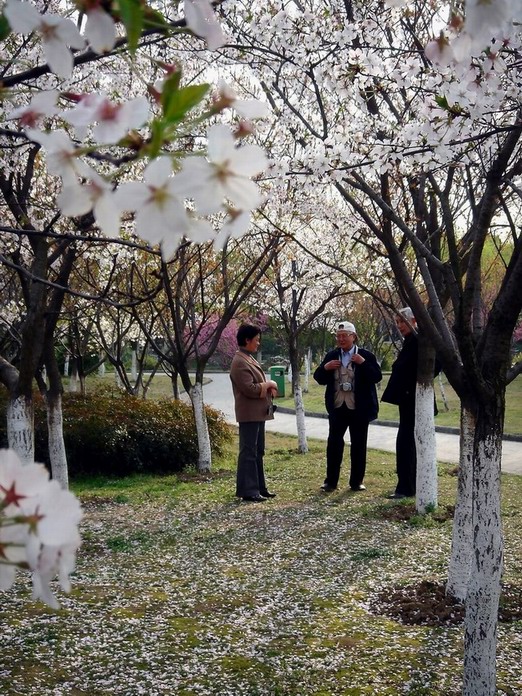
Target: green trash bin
{"type": "Point", "coordinates": [277, 373]}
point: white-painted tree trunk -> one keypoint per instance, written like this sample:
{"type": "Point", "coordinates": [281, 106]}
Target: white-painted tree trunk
{"type": "Point", "coordinates": [134, 365]}
{"type": "Point", "coordinates": [462, 541]}
{"type": "Point", "coordinates": [480, 639]}
{"type": "Point", "coordinates": [425, 443]}
{"type": "Point", "coordinates": [73, 381]}
{"type": "Point", "coordinates": [57, 454]}
{"type": "Point", "coordinates": [302, 445]}
{"type": "Point", "coordinates": [443, 392]}
{"type": "Point", "coordinates": [101, 370]}
{"type": "Point", "coordinates": [289, 374]}
{"type": "Point", "coordinates": [20, 428]}
{"type": "Point", "coordinates": [66, 366]}
{"type": "Point", "coordinates": [200, 416]}
{"type": "Point", "coordinates": [308, 368]}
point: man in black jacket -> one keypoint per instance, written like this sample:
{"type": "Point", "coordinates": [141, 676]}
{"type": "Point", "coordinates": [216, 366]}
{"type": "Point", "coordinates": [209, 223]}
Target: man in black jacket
{"type": "Point", "coordinates": [350, 375]}
{"type": "Point", "coordinates": [400, 390]}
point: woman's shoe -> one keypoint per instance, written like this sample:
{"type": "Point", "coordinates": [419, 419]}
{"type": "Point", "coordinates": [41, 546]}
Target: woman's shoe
{"type": "Point", "coordinates": [267, 494]}
{"type": "Point", "coordinates": [254, 499]}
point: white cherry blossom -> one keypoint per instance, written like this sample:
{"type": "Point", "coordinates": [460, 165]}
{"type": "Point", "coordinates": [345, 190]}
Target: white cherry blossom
{"type": "Point", "coordinates": [43, 105]}
{"type": "Point", "coordinates": [62, 156]}
{"type": "Point", "coordinates": [100, 30]}
{"type": "Point", "coordinates": [95, 194]}
{"type": "Point", "coordinates": [113, 120]}
{"type": "Point", "coordinates": [161, 217]}
{"type": "Point", "coordinates": [38, 526]}
{"type": "Point", "coordinates": [58, 34]}
{"type": "Point", "coordinates": [247, 108]}
{"type": "Point", "coordinates": [225, 176]}
{"type": "Point", "coordinates": [201, 19]}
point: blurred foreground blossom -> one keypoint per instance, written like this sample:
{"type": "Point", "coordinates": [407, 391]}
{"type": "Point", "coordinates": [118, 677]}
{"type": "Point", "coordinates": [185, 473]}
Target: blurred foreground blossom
{"type": "Point", "coordinates": [59, 35]}
{"type": "Point", "coordinates": [38, 527]}
{"type": "Point", "coordinates": [200, 18]}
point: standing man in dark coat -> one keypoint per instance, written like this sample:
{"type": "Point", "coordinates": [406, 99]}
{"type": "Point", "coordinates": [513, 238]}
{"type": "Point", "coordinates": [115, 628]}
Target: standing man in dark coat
{"type": "Point", "coordinates": [401, 390]}
{"type": "Point", "coordinates": [350, 374]}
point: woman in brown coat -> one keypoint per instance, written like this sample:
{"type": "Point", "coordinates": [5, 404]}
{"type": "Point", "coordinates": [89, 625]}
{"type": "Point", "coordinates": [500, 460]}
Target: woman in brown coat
{"type": "Point", "coordinates": [253, 395]}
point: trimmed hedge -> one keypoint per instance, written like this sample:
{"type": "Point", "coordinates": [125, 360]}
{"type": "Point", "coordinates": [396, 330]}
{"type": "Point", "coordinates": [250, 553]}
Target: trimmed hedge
{"type": "Point", "coordinates": [118, 435]}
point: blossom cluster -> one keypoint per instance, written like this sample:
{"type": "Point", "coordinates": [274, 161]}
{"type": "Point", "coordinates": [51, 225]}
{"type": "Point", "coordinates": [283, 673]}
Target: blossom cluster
{"type": "Point", "coordinates": [176, 194]}
{"type": "Point", "coordinates": [38, 527]}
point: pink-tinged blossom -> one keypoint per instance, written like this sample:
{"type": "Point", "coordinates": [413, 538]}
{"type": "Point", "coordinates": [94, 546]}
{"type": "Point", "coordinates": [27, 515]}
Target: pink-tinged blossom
{"type": "Point", "coordinates": [201, 19]}
{"type": "Point", "coordinates": [95, 194]}
{"type": "Point", "coordinates": [38, 526]}
{"type": "Point", "coordinates": [439, 51]}
{"type": "Point", "coordinates": [58, 34]}
{"type": "Point", "coordinates": [161, 217]}
{"type": "Point", "coordinates": [224, 176]}
{"type": "Point", "coordinates": [17, 482]}
{"type": "Point", "coordinates": [113, 120]}
{"type": "Point", "coordinates": [61, 152]}
{"type": "Point", "coordinates": [43, 105]}
{"type": "Point", "coordinates": [100, 30]}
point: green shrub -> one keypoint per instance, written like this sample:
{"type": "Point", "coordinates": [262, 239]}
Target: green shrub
{"type": "Point", "coordinates": [120, 435]}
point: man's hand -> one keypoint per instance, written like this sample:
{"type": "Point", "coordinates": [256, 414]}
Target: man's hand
{"type": "Point", "coordinates": [332, 365]}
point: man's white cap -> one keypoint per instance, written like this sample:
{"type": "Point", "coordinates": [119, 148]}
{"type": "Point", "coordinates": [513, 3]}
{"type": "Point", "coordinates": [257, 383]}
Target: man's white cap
{"type": "Point", "coordinates": [345, 326]}
{"type": "Point", "coordinates": [407, 313]}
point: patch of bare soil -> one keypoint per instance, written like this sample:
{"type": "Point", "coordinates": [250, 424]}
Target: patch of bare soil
{"type": "Point", "coordinates": [403, 512]}
{"type": "Point", "coordinates": [427, 603]}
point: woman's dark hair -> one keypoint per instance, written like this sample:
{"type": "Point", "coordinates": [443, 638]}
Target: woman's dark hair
{"type": "Point", "coordinates": [246, 332]}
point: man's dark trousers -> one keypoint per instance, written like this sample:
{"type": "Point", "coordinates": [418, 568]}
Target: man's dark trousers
{"type": "Point", "coordinates": [340, 420]}
{"type": "Point", "coordinates": [406, 450]}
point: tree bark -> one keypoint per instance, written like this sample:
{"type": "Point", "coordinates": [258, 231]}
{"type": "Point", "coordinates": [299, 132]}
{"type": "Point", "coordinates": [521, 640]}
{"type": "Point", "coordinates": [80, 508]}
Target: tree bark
{"type": "Point", "coordinates": [480, 640]}
{"type": "Point", "coordinates": [425, 443]}
{"type": "Point", "coordinates": [302, 445]}
{"type": "Point", "coordinates": [57, 453]}
{"type": "Point", "coordinates": [459, 569]}
{"type": "Point", "coordinates": [200, 416]}
{"type": "Point", "coordinates": [20, 427]}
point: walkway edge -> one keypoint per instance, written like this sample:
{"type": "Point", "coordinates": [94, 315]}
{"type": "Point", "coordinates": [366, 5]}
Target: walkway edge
{"type": "Point", "coordinates": [394, 424]}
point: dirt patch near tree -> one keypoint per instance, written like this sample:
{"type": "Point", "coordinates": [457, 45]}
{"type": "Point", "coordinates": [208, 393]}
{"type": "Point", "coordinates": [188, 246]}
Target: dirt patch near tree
{"type": "Point", "coordinates": [427, 603]}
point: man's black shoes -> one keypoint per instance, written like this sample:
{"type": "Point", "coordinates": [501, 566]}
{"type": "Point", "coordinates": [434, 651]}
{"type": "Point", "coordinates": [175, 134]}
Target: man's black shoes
{"type": "Point", "coordinates": [328, 489]}
{"type": "Point", "coordinates": [267, 494]}
{"type": "Point", "coordinates": [254, 499]}
{"type": "Point", "coordinates": [360, 487]}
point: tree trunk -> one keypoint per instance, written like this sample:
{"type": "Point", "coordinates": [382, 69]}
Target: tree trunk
{"type": "Point", "coordinates": [462, 541]}
{"type": "Point", "coordinates": [443, 393]}
{"type": "Point", "coordinates": [200, 416]}
{"type": "Point", "coordinates": [302, 445]}
{"type": "Point", "coordinates": [57, 454]}
{"type": "Point", "coordinates": [426, 446]}
{"type": "Point", "coordinates": [307, 366]}
{"type": "Point", "coordinates": [425, 442]}
{"type": "Point", "coordinates": [480, 640]}
{"type": "Point", "coordinates": [20, 428]}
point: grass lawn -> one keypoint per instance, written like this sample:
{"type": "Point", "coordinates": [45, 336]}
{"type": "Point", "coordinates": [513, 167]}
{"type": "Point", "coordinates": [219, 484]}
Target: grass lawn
{"type": "Point", "coordinates": [182, 590]}
{"type": "Point", "coordinates": [314, 403]}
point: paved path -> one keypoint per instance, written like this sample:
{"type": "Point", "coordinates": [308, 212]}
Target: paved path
{"type": "Point", "coordinates": [218, 393]}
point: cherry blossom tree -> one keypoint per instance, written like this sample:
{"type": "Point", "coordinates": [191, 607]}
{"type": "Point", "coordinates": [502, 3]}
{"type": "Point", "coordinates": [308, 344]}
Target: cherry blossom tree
{"type": "Point", "coordinates": [423, 148]}
{"type": "Point", "coordinates": [63, 72]}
